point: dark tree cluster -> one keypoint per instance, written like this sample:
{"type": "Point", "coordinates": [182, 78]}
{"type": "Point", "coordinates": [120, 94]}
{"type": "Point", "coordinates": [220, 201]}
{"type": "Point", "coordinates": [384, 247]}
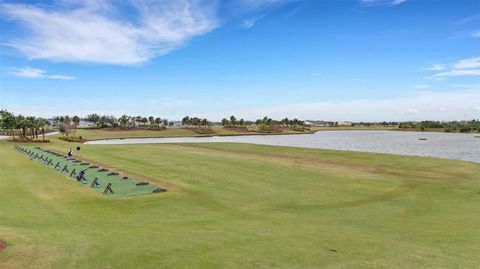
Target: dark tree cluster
{"type": "Point", "coordinates": [450, 126]}
{"type": "Point", "coordinates": [126, 121]}
{"type": "Point", "coordinates": [25, 127]}
{"type": "Point", "coordinates": [187, 121]}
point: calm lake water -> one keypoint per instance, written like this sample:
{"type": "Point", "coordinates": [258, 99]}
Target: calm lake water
{"type": "Point", "coordinates": [443, 145]}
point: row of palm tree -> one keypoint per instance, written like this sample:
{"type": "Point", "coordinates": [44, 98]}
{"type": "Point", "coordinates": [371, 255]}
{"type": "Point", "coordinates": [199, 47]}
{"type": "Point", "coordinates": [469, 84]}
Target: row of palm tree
{"type": "Point", "coordinates": [282, 123]}
{"type": "Point", "coordinates": [126, 121]}
{"type": "Point", "coordinates": [25, 127]}
{"type": "Point", "coordinates": [233, 122]}
{"type": "Point", "coordinates": [195, 122]}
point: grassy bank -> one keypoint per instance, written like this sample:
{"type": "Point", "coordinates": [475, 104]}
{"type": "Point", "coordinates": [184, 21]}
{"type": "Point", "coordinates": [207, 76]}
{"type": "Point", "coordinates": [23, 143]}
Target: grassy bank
{"type": "Point", "coordinates": [97, 134]}
{"type": "Point", "coordinates": [243, 206]}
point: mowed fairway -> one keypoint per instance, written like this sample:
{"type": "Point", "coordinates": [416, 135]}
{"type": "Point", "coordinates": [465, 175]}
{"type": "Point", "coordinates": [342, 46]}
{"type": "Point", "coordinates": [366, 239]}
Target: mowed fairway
{"type": "Point", "coordinates": [243, 206]}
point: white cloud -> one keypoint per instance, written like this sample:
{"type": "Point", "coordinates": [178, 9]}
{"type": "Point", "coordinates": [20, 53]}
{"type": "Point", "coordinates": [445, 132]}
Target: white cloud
{"type": "Point", "coordinates": [259, 9]}
{"type": "Point", "coordinates": [100, 31]}
{"type": "Point", "coordinates": [173, 103]}
{"type": "Point", "coordinates": [397, 2]}
{"type": "Point", "coordinates": [430, 105]}
{"type": "Point", "coordinates": [317, 74]}
{"type": "Point", "coordinates": [28, 72]}
{"type": "Point", "coordinates": [256, 4]}
{"type": "Point", "coordinates": [250, 22]}
{"type": "Point", "coordinates": [470, 87]}
{"type": "Point", "coordinates": [421, 87]}
{"type": "Point", "coordinates": [470, 19]}
{"type": "Point", "coordinates": [419, 106]}
{"type": "Point", "coordinates": [437, 67]}
{"type": "Point", "coordinates": [96, 31]}
{"type": "Point", "coordinates": [458, 73]}
{"type": "Point", "coordinates": [475, 34]}
{"type": "Point", "coordinates": [370, 3]}
{"type": "Point", "coordinates": [468, 63]}
{"type": "Point", "coordinates": [410, 111]}
{"type": "Point", "coordinates": [465, 67]}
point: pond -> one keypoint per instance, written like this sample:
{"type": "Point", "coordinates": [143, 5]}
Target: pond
{"type": "Point", "coordinates": [464, 147]}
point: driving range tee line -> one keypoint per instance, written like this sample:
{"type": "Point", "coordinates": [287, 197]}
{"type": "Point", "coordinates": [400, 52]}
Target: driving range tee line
{"type": "Point", "coordinates": [103, 181]}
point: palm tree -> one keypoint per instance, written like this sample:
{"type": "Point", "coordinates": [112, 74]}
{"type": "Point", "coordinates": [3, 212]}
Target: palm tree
{"type": "Point", "coordinates": [95, 118]}
{"type": "Point", "coordinates": [9, 122]}
{"type": "Point", "coordinates": [24, 124]}
{"type": "Point", "coordinates": [195, 121]}
{"type": "Point", "coordinates": [138, 119]}
{"type": "Point", "coordinates": [34, 127]}
{"type": "Point", "coordinates": [76, 120]}
{"type": "Point", "coordinates": [158, 121]}
{"type": "Point", "coordinates": [123, 120]}
{"type": "Point", "coordinates": [41, 124]}
{"type": "Point", "coordinates": [233, 120]}
{"type": "Point", "coordinates": [185, 120]}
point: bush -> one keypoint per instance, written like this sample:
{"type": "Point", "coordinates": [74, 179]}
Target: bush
{"type": "Point", "coordinates": [465, 129]}
{"type": "Point", "coordinates": [73, 139]}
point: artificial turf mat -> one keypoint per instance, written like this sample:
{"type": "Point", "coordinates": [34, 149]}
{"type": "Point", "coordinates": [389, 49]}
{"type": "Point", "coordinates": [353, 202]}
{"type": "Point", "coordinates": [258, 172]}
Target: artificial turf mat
{"type": "Point", "coordinates": [121, 185]}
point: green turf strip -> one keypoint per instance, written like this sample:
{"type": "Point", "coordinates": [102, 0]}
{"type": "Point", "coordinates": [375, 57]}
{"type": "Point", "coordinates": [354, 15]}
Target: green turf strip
{"type": "Point", "coordinates": [121, 187]}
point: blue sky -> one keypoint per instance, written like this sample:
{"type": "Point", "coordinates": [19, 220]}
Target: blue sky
{"type": "Point", "coordinates": [334, 60]}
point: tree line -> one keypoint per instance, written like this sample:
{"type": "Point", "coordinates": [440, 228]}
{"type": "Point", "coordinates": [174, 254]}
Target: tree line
{"type": "Point", "coordinates": [195, 122]}
{"type": "Point", "coordinates": [450, 126]}
{"type": "Point", "coordinates": [25, 127]}
{"type": "Point", "coordinates": [126, 121]}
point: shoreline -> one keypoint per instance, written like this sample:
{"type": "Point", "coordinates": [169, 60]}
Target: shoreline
{"type": "Point", "coordinates": [381, 141]}
{"type": "Point", "coordinates": [275, 134]}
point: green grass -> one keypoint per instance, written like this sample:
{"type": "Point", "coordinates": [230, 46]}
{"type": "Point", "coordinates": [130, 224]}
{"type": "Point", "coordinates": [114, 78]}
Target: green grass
{"type": "Point", "coordinates": [97, 134]}
{"type": "Point", "coordinates": [120, 186]}
{"type": "Point", "coordinates": [243, 206]}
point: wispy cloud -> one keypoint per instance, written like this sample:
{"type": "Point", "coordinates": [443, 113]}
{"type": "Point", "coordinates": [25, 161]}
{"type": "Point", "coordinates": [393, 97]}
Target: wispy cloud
{"type": "Point", "coordinates": [317, 74]}
{"type": "Point", "coordinates": [258, 4]}
{"type": "Point", "coordinates": [371, 3]}
{"type": "Point", "coordinates": [437, 67]}
{"type": "Point", "coordinates": [422, 87]}
{"type": "Point", "coordinates": [475, 34]}
{"type": "Point", "coordinates": [101, 31]}
{"type": "Point", "coordinates": [468, 87]}
{"type": "Point", "coordinates": [256, 10]}
{"type": "Point", "coordinates": [96, 31]}
{"type": "Point", "coordinates": [465, 67]}
{"type": "Point", "coordinates": [29, 72]}
{"type": "Point", "coordinates": [458, 73]}
{"type": "Point", "coordinates": [250, 22]}
{"type": "Point", "coordinates": [468, 63]}
{"type": "Point", "coordinates": [170, 102]}
{"type": "Point", "coordinates": [410, 111]}
{"type": "Point", "coordinates": [469, 19]}
{"type": "Point", "coordinates": [419, 106]}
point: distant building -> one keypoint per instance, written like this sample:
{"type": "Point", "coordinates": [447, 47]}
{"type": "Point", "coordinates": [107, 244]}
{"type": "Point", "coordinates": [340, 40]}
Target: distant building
{"type": "Point", "coordinates": [344, 123]}
{"type": "Point", "coordinates": [84, 123]}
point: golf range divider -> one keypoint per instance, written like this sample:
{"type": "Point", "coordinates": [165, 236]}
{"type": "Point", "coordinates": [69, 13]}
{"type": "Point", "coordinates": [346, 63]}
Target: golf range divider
{"type": "Point", "coordinates": [102, 180]}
